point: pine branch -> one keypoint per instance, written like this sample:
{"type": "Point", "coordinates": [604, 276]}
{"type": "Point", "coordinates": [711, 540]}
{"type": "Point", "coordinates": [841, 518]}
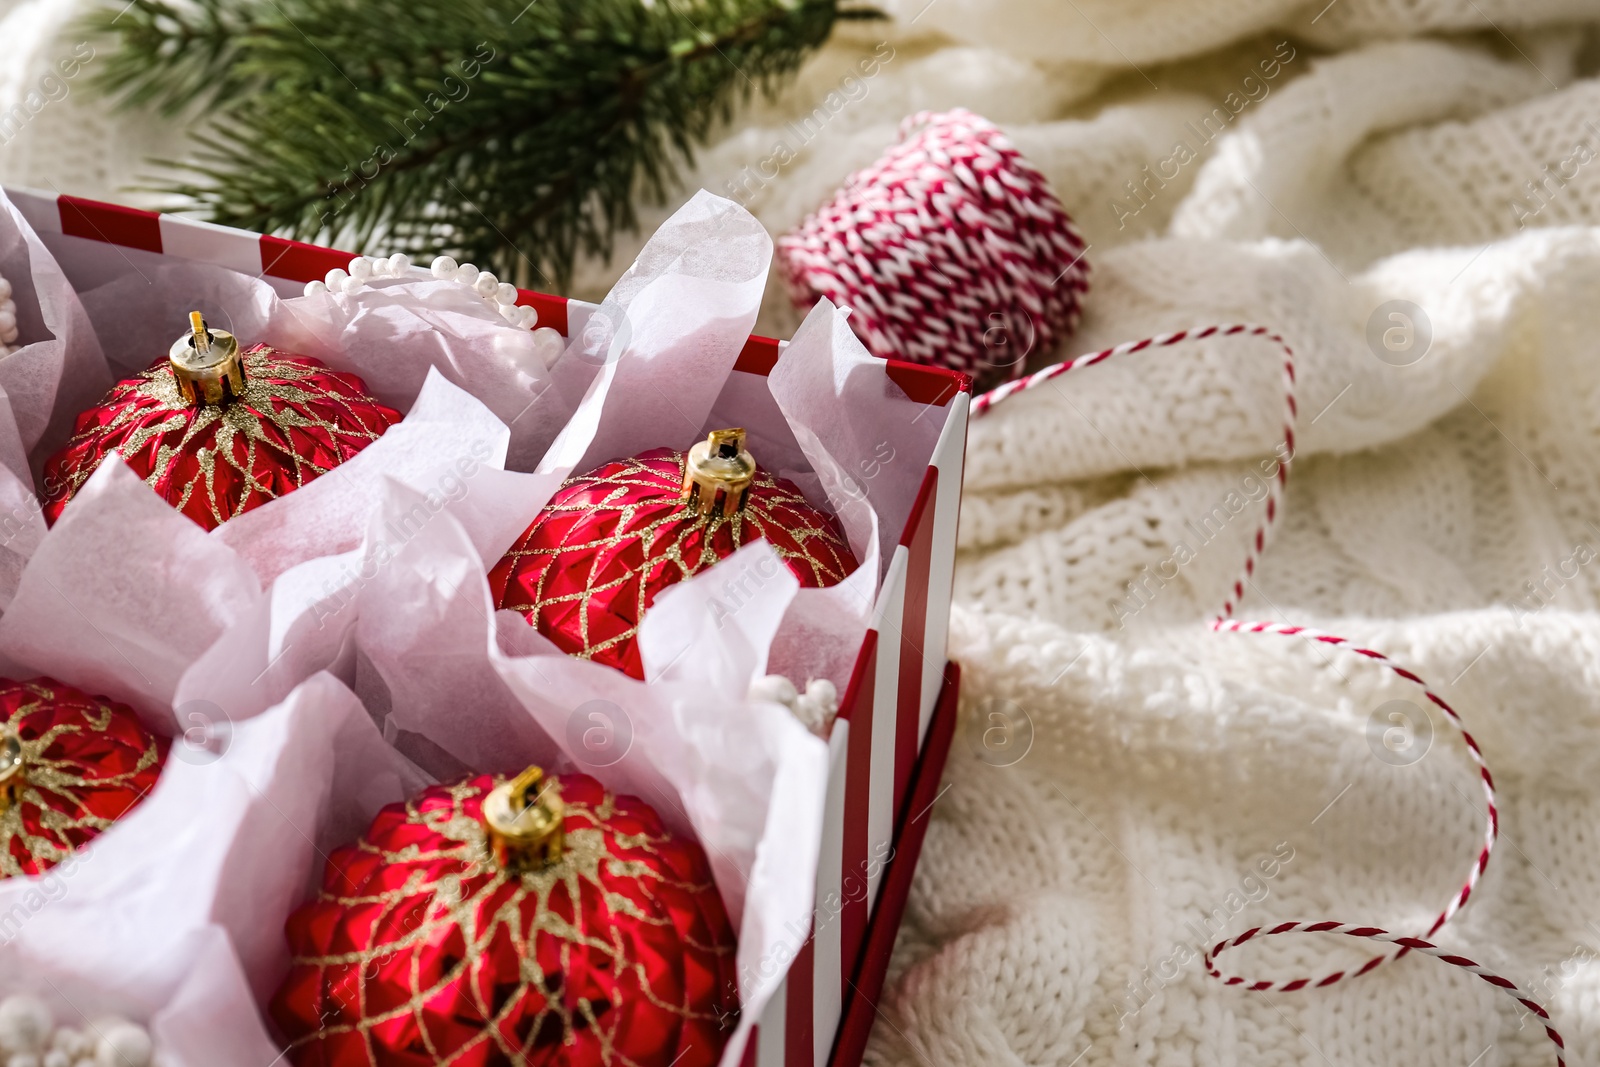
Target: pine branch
{"type": "Point", "coordinates": [512, 134]}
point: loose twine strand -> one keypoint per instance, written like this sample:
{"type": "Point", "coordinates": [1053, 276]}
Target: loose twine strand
{"type": "Point", "coordinates": [1226, 623]}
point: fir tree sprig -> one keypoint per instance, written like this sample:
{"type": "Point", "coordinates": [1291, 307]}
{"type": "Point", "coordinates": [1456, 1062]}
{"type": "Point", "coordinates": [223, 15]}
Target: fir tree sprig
{"type": "Point", "coordinates": [514, 134]}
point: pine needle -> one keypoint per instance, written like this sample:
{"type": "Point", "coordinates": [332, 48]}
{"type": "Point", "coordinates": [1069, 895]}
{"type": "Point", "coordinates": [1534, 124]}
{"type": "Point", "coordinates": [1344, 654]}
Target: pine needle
{"type": "Point", "coordinates": [512, 134]}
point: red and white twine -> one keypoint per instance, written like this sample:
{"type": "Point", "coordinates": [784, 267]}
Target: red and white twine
{"type": "Point", "coordinates": [1407, 944]}
{"type": "Point", "coordinates": [1258, 541]}
{"type": "Point", "coordinates": [1226, 623]}
{"type": "Point", "coordinates": [951, 250]}
{"type": "Point", "coordinates": [1492, 823]}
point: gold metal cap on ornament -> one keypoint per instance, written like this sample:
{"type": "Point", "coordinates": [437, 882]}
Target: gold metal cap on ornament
{"type": "Point", "coordinates": [524, 822]}
{"type": "Point", "coordinates": [11, 767]}
{"type": "Point", "coordinates": [718, 472]}
{"type": "Point", "coordinates": [206, 364]}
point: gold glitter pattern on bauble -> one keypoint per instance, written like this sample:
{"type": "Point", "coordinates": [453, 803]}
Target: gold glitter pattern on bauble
{"type": "Point", "coordinates": [611, 540]}
{"type": "Point", "coordinates": [420, 948]}
{"type": "Point", "coordinates": [85, 762]}
{"type": "Point", "coordinates": [295, 421]}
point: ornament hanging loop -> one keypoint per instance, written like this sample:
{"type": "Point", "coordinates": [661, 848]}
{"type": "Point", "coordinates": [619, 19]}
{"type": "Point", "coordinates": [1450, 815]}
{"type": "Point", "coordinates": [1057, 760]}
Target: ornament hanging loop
{"type": "Point", "coordinates": [11, 769]}
{"type": "Point", "coordinates": [524, 822]}
{"type": "Point", "coordinates": [717, 473]}
{"type": "Point", "coordinates": [206, 364]}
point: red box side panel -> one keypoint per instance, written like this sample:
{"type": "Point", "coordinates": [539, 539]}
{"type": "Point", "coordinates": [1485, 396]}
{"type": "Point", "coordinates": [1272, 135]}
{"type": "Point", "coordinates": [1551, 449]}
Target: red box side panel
{"type": "Point", "coordinates": [864, 989]}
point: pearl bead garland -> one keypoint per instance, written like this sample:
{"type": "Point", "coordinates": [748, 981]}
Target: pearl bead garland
{"type": "Point", "coordinates": [502, 296]}
{"type": "Point", "coordinates": [8, 320]}
{"type": "Point", "coordinates": [30, 1038]}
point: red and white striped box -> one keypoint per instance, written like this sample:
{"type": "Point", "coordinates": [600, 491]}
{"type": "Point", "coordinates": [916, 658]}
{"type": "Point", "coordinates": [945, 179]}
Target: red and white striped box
{"type": "Point", "coordinates": [897, 715]}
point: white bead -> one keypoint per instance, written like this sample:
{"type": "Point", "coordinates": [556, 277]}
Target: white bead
{"type": "Point", "coordinates": [335, 278]}
{"type": "Point", "coordinates": [549, 344]}
{"type": "Point", "coordinates": [72, 1042]}
{"type": "Point", "coordinates": [56, 1058]}
{"type": "Point", "coordinates": [313, 288]}
{"type": "Point", "coordinates": [8, 304]}
{"type": "Point", "coordinates": [23, 1059]}
{"type": "Point", "coordinates": [399, 264]}
{"type": "Point", "coordinates": [530, 317]}
{"type": "Point", "coordinates": [9, 336]}
{"type": "Point", "coordinates": [505, 294]}
{"type": "Point", "coordinates": [361, 267]}
{"type": "Point", "coordinates": [486, 284]}
{"type": "Point", "coordinates": [467, 274]}
{"type": "Point", "coordinates": [824, 692]}
{"type": "Point", "coordinates": [5, 289]}
{"type": "Point", "coordinates": [8, 321]}
{"type": "Point", "coordinates": [25, 1023]}
{"type": "Point", "coordinates": [124, 1045]}
{"type": "Point", "coordinates": [818, 706]}
{"type": "Point", "coordinates": [443, 268]}
{"type": "Point", "coordinates": [519, 349]}
{"type": "Point", "coordinates": [510, 314]}
{"type": "Point", "coordinates": [774, 688]}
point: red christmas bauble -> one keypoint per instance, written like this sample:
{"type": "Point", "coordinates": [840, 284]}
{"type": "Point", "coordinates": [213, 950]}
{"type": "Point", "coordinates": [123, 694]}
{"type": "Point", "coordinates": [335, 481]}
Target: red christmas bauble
{"type": "Point", "coordinates": [292, 420]}
{"type": "Point", "coordinates": [70, 765]}
{"type": "Point", "coordinates": [612, 539]}
{"type": "Point", "coordinates": [539, 921]}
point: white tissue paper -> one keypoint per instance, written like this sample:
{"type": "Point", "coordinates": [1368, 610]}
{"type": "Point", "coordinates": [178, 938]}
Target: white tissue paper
{"type": "Point", "coordinates": [57, 371]}
{"type": "Point", "coordinates": [175, 914]}
{"type": "Point", "coordinates": [124, 578]}
{"type": "Point", "coordinates": [680, 316]}
{"type": "Point", "coordinates": [748, 780]}
{"type": "Point", "coordinates": [182, 923]}
{"type": "Point", "coordinates": [463, 687]}
{"type": "Point", "coordinates": [123, 594]}
{"type": "Point", "coordinates": [377, 573]}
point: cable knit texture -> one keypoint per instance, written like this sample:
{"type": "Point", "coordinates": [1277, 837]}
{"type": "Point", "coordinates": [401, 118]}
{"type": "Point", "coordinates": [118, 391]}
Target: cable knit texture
{"type": "Point", "coordinates": [1126, 787]}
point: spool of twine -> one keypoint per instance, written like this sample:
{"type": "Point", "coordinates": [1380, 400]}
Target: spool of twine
{"type": "Point", "coordinates": [951, 250]}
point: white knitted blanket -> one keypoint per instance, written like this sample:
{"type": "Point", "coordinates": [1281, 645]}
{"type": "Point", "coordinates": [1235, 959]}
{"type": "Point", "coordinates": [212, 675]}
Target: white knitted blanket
{"type": "Point", "coordinates": [1127, 787]}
